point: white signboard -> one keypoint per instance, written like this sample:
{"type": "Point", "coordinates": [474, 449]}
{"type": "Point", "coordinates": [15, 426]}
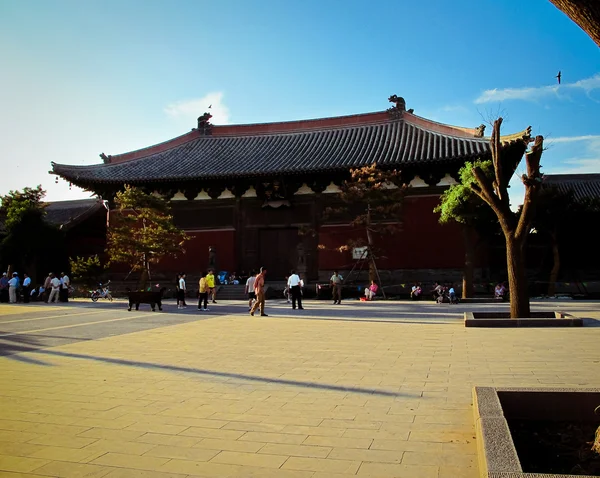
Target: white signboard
{"type": "Point", "coordinates": [359, 252]}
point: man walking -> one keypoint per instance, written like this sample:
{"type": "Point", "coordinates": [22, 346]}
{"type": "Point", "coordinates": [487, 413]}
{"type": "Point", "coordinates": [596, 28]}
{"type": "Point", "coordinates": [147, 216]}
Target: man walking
{"type": "Point", "coordinates": [294, 287]}
{"type": "Point", "coordinates": [54, 293]}
{"type": "Point", "coordinates": [210, 280]}
{"type": "Point", "coordinates": [13, 286]}
{"type": "Point", "coordinates": [259, 290]}
{"type": "Point", "coordinates": [250, 289]}
{"type": "Point", "coordinates": [26, 288]}
{"type": "Point", "coordinates": [47, 287]}
{"type": "Point", "coordinates": [336, 287]}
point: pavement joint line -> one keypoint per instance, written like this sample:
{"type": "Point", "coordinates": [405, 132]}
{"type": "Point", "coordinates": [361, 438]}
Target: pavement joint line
{"type": "Point", "coordinates": [52, 317]}
{"type": "Point", "coordinates": [69, 326]}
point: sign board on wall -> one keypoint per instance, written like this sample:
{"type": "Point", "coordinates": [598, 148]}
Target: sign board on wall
{"type": "Point", "coordinates": [359, 252]}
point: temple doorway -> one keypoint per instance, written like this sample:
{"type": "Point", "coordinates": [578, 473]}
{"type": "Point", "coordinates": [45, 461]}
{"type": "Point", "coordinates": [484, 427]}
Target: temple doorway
{"type": "Point", "coordinates": [278, 251]}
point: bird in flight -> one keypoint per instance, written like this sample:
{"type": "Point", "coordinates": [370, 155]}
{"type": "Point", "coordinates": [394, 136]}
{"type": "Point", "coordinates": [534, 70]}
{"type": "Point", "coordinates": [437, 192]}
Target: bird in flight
{"type": "Point", "coordinates": [558, 77]}
{"type": "Point", "coordinates": [210, 106]}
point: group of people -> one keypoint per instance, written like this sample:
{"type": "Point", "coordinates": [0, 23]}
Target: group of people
{"type": "Point", "coordinates": [206, 288]}
{"type": "Point", "coordinates": [54, 289]}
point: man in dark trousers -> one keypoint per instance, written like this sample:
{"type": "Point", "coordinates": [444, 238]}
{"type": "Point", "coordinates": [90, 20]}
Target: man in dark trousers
{"type": "Point", "coordinates": [294, 285]}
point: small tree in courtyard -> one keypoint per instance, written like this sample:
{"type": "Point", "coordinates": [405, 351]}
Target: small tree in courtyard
{"type": "Point", "coordinates": [373, 201]}
{"type": "Point", "coordinates": [87, 270]}
{"type": "Point", "coordinates": [142, 232]}
{"type": "Point", "coordinates": [515, 227]}
{"type": "Point", "coordinates": [460, 204]}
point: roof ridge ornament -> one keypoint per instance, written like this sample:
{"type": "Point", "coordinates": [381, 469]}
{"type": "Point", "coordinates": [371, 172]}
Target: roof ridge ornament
{"type": "Point", "coordinates": [204, 124]}
{"type": "Point", "coordinates": [105, 159]}
{"type": "Point", "coordinates": [479, 131]}
{"type": "Point", "coordinates": [399, 107]}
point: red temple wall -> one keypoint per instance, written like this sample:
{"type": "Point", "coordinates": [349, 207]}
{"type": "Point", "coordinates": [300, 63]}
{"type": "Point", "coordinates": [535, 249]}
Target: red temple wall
{"type": "Point", "coordinates": [195, 258]}
{"type": "Point", "coordinates": [423, 242]}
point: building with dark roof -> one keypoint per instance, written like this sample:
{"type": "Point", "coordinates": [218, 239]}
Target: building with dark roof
{"type": "Point", "coordinates": [583, 186]}
{"type": "Point", "coordinates": [249, 189]}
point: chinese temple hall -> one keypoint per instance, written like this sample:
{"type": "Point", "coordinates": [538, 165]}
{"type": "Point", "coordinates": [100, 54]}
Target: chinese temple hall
{"type": "Point", "coordinates": [248, 190]}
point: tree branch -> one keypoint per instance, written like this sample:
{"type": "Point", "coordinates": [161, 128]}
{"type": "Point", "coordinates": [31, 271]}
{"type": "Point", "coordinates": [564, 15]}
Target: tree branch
{"type": "Point", "coordinates": [532, 181]}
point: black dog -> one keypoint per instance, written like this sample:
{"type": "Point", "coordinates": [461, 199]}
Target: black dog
{"type": "Point", "coordinates": [152, 298]}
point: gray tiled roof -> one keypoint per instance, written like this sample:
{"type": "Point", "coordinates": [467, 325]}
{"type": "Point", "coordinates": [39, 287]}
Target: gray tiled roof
{"type": "Point", "coordinates": [584, 186]}
{"type": "Point", "coordinates": [394, 142]}
{"type": "Point", "coordinates": [64, 213]}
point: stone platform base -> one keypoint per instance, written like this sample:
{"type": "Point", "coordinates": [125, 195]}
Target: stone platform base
{"type": "Point", "coordinates": [537, 319]}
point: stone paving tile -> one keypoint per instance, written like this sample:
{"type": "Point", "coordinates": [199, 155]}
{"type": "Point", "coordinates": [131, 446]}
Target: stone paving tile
{"type": "Point", "coordinates": [384, 470]}
{"type": "Point", "coordinates": [21, 464]}
{"type": "Point", "coordinates": [250, 459]}
{"type": "Point", "coordinates": [357, 397]}
{"type": "Point", "coordinates": [323, 465]}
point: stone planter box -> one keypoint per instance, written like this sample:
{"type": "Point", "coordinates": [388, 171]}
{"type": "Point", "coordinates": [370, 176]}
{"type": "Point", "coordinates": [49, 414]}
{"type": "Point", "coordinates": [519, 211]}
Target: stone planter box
{"type": "Point", "coordinates": [492, 407]}
{"type": "Point", "coordinates": [537, 319]}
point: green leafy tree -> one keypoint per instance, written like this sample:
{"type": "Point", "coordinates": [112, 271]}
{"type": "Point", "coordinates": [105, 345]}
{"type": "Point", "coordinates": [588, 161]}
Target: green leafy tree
{"type": "Point", "coordinates": [142, 232]}
{"type": "Point", "coordinates": [30, 243]}
{"type": "Point", "coordinates": [515, 227]}
{"type": "Point", "coordinates": [373, 199]}
{"type": "Point", "coordinates": [87, 270]}
{"type": "Point", "coordinates": [460, 204]}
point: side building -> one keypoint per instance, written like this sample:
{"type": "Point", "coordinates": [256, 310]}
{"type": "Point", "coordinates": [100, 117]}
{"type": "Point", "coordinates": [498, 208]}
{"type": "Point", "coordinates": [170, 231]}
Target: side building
{"type": "Point", "coordinates": [250, 190]}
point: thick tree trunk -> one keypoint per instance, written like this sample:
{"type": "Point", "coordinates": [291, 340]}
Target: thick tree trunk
{"type": "Point", "coordinates": [517, 280]}
{"type": "Point", "coordinates": [585, 13]}
{"type": "Point", "coordinates": [555, 266]}
{"type": "Point", "coordinates": [467, 286]}
{"type": "Point", "coordinates": [145, 277]}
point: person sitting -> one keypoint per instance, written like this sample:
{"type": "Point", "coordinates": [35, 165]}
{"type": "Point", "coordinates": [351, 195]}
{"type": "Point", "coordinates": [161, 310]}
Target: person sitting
{"type": "Point", "coordinates": [416, 292]}
{"type": "Point", "coordinates": [371, 291]}
{"type": "Point", "coordinates": [438, 291]}
{"type": "Point", "coordinates": [233, 279]}
{"type": "Point", "coordinates": [499, 291]}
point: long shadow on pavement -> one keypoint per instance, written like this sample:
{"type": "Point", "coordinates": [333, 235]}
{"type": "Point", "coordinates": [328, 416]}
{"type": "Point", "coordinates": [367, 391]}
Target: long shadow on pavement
{"type": "Point", "coordinates": [214, 373]}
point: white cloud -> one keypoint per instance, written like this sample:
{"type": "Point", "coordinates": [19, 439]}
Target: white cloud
{"type": "Point", "coordinates": [535, 93]}
{"type": "Point", "coordinates": [188, 110]}
{"type": "Point", "coordinates": [587, 161]}
{"type": "Point", "coordinates": [570, 139]}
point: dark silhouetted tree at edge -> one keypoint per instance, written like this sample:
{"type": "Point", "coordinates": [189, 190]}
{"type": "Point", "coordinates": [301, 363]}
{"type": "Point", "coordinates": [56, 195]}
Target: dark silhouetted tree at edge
{"type": "Point", "coordinates": [30, 243]}
{"type": "Point", "coordinates": [585, 13]}
{"type": "Point", "coordinates": [142, 232]}
{"type": "Point", "coordinates": [373, 200]}
{"type": "Point", "coordinates": [515, 227]}
{"type": "Point", "coordinates": [460, 204]}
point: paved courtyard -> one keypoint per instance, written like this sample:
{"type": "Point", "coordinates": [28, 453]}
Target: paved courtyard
{"type": "Point", "coordinates": [378, 389]}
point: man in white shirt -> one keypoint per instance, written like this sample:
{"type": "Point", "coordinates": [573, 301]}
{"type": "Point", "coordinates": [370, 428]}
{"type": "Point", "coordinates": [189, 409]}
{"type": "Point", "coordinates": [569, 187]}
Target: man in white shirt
{"type": "Point", "coordinates": [26, 288]}
{"type": "Point", "coordinates": [250, 289]}
{"type": "Point", "coordinates": [336, 287]}
{"type": "Point", "coordinates": [294, 286]}
{"type": "Point", "coordinates": [65, 282]}
{"type": "Point", "coordinates": [182, 291]}
{"type": "Point", "coordinates": [13, 285]}
{"type": "Point", "coordinates": [54, 293]}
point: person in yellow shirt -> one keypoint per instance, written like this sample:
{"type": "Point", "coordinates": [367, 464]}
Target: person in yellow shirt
{"type": "Point", "coordinates": [203, 292]}
{"type": "Point", "coordinates": [210, 280]}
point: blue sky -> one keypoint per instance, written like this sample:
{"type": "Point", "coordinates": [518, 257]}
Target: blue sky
{"type": "Point", "coordinates": [81, 78]}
